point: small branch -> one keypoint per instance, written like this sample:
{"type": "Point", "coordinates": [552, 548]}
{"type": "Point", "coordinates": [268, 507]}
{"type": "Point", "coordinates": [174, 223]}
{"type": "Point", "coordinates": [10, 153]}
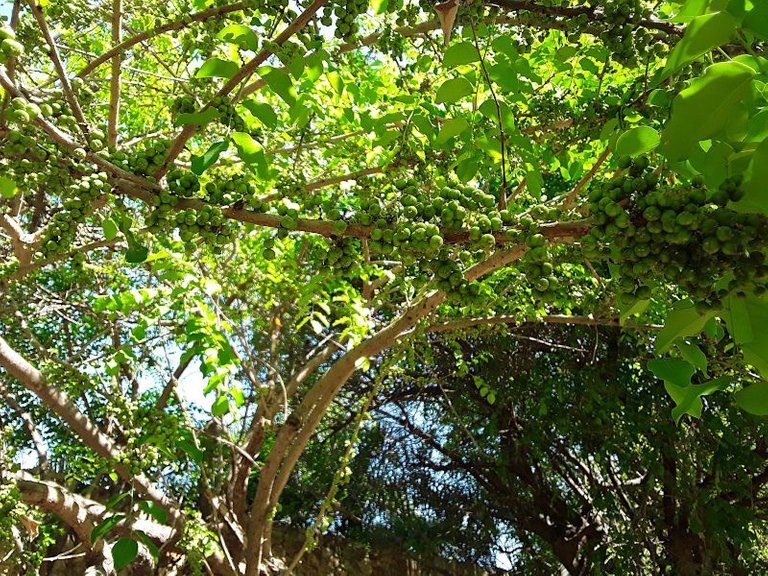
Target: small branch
{"type": "Point", "coordinates": [245, 71]}
{"type": "Point", "coordinates": [53, 52]}
{"type": "Point", "coordinates": [454, 325]}
{"type": "Point", "coordinates": [114, 90]}
{"type": "Point", "coordinates": [183, 22]}
{"type": "Point", "coordinates": [502, 136]}
{"type": "Point", "coordinates": [573, 194]}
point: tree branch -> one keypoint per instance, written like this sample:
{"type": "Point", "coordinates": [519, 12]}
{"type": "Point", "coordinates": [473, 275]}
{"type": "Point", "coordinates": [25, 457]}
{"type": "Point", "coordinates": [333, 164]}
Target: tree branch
{"type": "Point", "coordinates": [244, 72]}
{"type": "Point", "coordinates": [59, 403]}
{"type": "Point", "coordinates": [114, 91]}
{"type": "Point", "coordinates": [53, 52]}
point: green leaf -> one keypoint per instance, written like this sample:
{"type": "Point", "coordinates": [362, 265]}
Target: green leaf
{"type": "Point", "coordinates": [702, 110]}
{"type": "Point", "coordinates": [738, 320]}
{"type": "Point", "coordinates": [217, 68]}
{"type": "Point", "coordinates": [461, 53]}
{"type": "Point", "coordinates": [753, 399]}
{"type": "Point", "coordinates": [379, 6]}
{"type": "Point", "coordinates": [450, 128]}
{"type": "Point", "coordinates": [703, 34]}
{"type": "Point", "coordinates": [694, 355]}
{"type": "Point", "coordinates": [220, 406]}
{"type": "Point", "coordinates": [453, 90]}
{"type": "Point", "coordinates": [8, 187]}
{"type": "Point", "coordinates": [124, 552]}
{"type": "Point", "coordinates": [635, 310]}
{"type": "Point", "coordinates": [335, 81]}
{"type": "Point", "coordinates": [154, 510]}
{"type": "Point", "coordinates": [676, 375]}
{"type": "Point", "coordinates": [534, 182]}
{"type": "Point", "coordinates": [264, 112]}
{"type": "Point", "coordinates": [682, 322]}
{"type": "Point", "coordinates": [109, 227]}
{"type": "Point", "coordinates": [105, 526]}
{"type": "Point", "coordinates": [200, 118]}
{"type": "Point", "coordinates": [136, 253]}
{"type": "Point", "coordinates": [638, 140]}
{"type": "Point", "coordinates": [147, 541]}
{"type": "Point", "coordinates": [251, 152]}
{"type": "Point", "coordinates": [201, 163]}
{"type": "Point", "coordinates": [467, 169]}
{"type": "Point", "coordinates": [747, 323]}
{"type": "Point", "coordinates": [756, 20]}
{"type": "Point", "coordinates": [756, 191]}
{"type": "Point", "coordinates": [690, 10]}
{"type": "Point", "coordinates": [241, 35]}
{"type": "Point", "coordinates": [279, 81]}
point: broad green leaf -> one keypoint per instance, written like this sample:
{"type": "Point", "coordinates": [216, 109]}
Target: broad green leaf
{"type": "Point", "coordinates": [738, 320]}
{"type": "Point", "coordinates": [674, 370]}
{"type": "Point", "coordinates": [690, 10]}
{"type": "Point", "coordinates": [154, 510]}
{"type": "Point", "coordinates": [756, 19]}
{"type": "Point", "coordinates": [756, 192]}
{"type": "Point", "coordinates": [534, 182]}
{"type": "Point", "coordinates": [681, 322]}
{"type": "Point", "coordinates": [450, 128]}
{"type": "Point", "coordinates": [200, 118]}
{"type": "Point", "coordinates": [693, 354]}
{"type": "Point", "coordinates": [105, 526]}
{"type": "Point", "coordinates": [461, 53]}
{"type": "Point", "coordinates": [676, 375]}
{"type": "Point", "coordinates": [251, 152]}
{"type": "Point", "coordinates": [264, 112]}
{"type": "Point", "coordinates": [136, 253]}
{"type": "Point", "coordinates": [702, 110]}
{"type": "Point", "coordinates": [109, 227]}
{"type": "Point", "coordinates": [8, 187]}
{"type": "Point", "coordinates": [703, 34]}
{"type": "Point", "coordinates": [753, 399]}
{"type": "Point", "coordinates": [379, 6]}
{"type": "Point", "coordinates": [453, 90]}
{"type": "Point", "coordinates": [220, 406]}
{"type": "Point", "coordinates": [201, 163]}
{"type": "Point", "coordinates": [336, 82]}
{"type": "Point", "coordinates": [217, 68]}
{"type": "Point", "coordinates": [466, 169]}
{"type": "Point", "coordinates": [241, 35]}
{"type": "Point", "coordinates": [147, 541]}
{"type": "Point", "coordinates": [747, 322]}
{"type": "Point", "coordinates": [124, 552]}
{"type": "Point", "coordinates": [281, 84]}
{"type": "Point", "coordinates": [636, 309]}
{"type": "Point", "coordinates": [638, 140]}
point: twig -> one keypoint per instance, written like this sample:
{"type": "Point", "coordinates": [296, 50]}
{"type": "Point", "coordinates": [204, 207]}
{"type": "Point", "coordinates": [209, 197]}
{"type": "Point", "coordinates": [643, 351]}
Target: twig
{"type": "Point", "coordinates": [182, 22]}
{"type": "Point", "coordinates": [502, 136]}
{"type": "Point", "coordinates": [59, 65]}
{"type": "Point", "coordinates": [245, 71]}
{"type": "Point", "coordinates": [114, 91]}
{"type": "Point", "coordinates": [573, 194]}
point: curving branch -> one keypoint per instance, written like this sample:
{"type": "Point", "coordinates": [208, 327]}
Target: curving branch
{"type": "Point", "coordinates": [182, 22]}
{"type": "Point", "coordinates": [74, 105]}
{"type": "Point", "coordinates": [62, 406]}
{"type": "Point", "coordinates": [244, 72]}
{"type": "Point", "coordinates": [82, 514]}
{"type": "Point", "coordinates": [466, 323]}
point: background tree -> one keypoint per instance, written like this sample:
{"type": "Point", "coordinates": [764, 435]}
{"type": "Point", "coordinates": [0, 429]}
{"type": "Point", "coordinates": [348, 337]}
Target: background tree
{"type": "Point", "coordinates": [271, 196]}
{"type": "Point", "coordinates": [573, 463]}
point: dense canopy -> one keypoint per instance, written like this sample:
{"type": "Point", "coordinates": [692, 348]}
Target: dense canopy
{"type": "Point", "coordinates": [481, 278]}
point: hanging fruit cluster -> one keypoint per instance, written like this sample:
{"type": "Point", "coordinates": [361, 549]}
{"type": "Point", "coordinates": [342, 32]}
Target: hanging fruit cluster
{"type": "Point", "coordinates": [74, 209]}
{"type": "Point", "coordinates": [684, 234]}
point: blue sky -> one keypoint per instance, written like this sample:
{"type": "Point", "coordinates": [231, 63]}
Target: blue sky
{"type": "Point", "coordinates": [5, 8]}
